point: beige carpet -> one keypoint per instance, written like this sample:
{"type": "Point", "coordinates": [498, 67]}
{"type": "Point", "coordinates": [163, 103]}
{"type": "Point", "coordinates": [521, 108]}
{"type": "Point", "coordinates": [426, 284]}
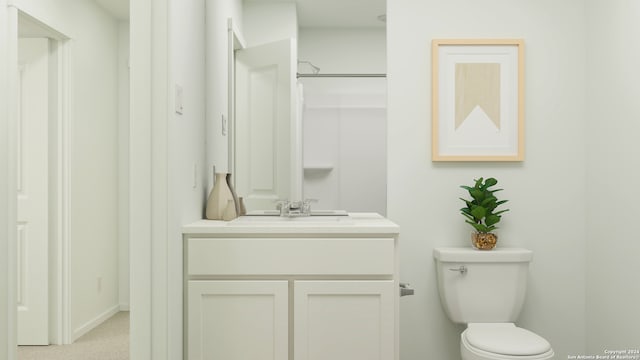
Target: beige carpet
{"type": "Point", "coordinates": [109, 341]}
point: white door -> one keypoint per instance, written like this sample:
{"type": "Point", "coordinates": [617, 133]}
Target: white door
{"type": "Point", "coordinates": [268, 164]}
{"type": "Point", "coordinates": [344, 320]}
{"type": "Point", "coordinates": [238, 320]}
{"type": "Point", "coordinates": [32, 244]}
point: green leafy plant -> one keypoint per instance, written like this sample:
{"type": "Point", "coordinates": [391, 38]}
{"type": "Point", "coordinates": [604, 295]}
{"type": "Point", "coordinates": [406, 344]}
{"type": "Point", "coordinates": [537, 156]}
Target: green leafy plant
{"type": "Point", "coordinates": [480, 212]}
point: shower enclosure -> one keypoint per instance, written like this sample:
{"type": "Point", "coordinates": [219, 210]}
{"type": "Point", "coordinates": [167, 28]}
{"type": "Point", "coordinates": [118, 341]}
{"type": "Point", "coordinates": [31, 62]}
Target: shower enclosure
{"type": "Point", "coordinates": [344, 141]}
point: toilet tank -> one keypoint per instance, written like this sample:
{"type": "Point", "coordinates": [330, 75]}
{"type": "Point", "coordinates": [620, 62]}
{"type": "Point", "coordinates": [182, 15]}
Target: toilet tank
{"type": "Point", "coordinates": [480, 286]}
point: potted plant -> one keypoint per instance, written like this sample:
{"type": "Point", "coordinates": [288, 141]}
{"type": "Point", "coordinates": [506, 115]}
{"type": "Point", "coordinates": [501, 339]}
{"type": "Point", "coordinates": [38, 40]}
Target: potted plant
{"type": "Point", "coordinates": [480, 212]}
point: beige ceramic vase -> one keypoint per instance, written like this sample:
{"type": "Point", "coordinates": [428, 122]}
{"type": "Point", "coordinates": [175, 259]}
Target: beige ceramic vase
{"type": "Point", "coordinates": [230, 211]}
{"type": "Point", "coordinates": [219, 198]}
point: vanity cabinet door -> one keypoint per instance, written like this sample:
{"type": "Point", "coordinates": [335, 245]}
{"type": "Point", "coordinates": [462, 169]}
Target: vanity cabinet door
{"type": "Point", "coordinates": [237, 320]}
{"type": "Point", "coordinates": [344, 320]}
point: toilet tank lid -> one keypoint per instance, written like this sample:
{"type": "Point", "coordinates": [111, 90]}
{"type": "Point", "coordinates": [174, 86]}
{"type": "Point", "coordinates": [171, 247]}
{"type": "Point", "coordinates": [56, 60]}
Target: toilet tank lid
{"type": "Point", "coordinates": [469, 254]}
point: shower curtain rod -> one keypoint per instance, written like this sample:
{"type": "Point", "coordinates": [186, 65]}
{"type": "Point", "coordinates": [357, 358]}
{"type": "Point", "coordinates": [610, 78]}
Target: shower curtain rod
{"type": "Point", "coordinates": [341, 75]}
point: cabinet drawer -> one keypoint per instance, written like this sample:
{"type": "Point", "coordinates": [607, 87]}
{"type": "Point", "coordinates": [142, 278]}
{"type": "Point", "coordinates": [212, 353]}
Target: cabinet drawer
{"type": "Point", "coordinates": [291, 256]}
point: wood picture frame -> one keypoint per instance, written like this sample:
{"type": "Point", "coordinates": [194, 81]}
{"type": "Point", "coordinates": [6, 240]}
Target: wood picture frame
{"type": "Point", "coordinates": [477, 100]}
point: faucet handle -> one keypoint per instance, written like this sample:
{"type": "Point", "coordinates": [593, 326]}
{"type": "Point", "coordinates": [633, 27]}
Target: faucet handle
{"type": "Point", "coordinates": [306, 205]}
{"type": "Point", "coordinates": [282, 206]}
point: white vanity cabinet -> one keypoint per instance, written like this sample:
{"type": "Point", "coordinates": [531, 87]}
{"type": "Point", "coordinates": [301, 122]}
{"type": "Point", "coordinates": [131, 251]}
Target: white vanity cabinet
{"type": "Point", "coordinates": [291, 292]}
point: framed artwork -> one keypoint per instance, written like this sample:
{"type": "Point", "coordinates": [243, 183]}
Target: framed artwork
{"type": "Point", "coordinates": [477, 100]}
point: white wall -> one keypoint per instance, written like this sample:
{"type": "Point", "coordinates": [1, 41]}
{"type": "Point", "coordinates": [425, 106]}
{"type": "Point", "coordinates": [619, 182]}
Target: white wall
{"type": "Point", "coordinates": [546, 191]}
{"type": "Point", "coordinates": [613, 291]}
{"type": "Point", "coordinates": [344, 50]}
{"type": "Point", "coordinates": [267, 22]}
{"type": "Point", "coordinates": [94, 164]}
{"type": "Point", "coordinates": [123, 164]}
{"type": "Point", "coordinates": [186, 153]}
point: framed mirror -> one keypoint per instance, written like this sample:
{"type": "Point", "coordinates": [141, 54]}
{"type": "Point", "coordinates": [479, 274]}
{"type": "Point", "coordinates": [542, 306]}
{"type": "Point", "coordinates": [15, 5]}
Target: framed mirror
{"type": "Point", "coordinates": [310, 105]}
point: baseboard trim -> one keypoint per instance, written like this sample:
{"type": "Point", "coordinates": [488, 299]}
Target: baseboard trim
{"type": "Point", "coordinates": [124, 307]}
{"type": "Point", "coordinates": [92, 324]}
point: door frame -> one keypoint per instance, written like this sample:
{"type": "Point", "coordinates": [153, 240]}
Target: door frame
{"type": "Point", "coordinates": [8, 199]}
{"type": "Point", "coordinates": [60, 116]}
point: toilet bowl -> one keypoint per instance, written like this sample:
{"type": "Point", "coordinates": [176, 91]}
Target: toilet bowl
{"type": "Point", "coordinates": [504, 341]}
{"type": "Point", "coordinates": [486, 291]}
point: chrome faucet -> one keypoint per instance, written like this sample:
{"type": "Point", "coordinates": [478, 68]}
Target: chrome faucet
{"type": "Point", "coordinates": [295, 208]}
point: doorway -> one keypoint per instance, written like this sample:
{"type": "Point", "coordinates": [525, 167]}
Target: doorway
{"type": "Point", "coordinates": [82, 264]}
{"type": "Point", "coordinates": [41, 183]}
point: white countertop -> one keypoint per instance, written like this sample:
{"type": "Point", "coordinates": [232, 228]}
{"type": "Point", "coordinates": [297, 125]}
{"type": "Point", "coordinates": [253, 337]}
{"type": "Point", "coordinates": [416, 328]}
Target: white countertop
{"type": "Point", "coordinates": [354, 223]}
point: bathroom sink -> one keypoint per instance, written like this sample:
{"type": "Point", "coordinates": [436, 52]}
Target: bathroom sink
{"type": "Point", "coordinates": [330, 220]}
{"type": "Point", "coordinates": [313, 213]}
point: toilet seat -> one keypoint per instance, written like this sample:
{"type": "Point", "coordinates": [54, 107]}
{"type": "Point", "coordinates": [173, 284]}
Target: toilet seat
{"type": "Point", "coordinates": [482, 341]}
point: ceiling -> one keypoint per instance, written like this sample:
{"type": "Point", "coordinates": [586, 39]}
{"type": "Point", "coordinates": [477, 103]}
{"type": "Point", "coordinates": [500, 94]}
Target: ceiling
{"type": "Point", "coordinates": [340, 13]}
{"type": "Point", "coordinates": [118, 8]}
{"type": "Point", "coordinates": [337, 13]}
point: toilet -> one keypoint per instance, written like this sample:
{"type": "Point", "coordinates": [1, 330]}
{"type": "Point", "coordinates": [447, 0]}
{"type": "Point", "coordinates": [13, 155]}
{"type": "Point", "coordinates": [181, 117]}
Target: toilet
{"type": "Point", "coordinates": [485, 290]}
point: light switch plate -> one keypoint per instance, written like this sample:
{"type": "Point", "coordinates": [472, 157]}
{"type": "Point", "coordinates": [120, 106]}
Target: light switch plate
{"type": "Point", "coordinates": [224, 125]}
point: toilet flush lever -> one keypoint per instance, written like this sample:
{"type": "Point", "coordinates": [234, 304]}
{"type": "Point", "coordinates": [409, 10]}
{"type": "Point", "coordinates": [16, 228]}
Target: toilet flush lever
{"type": "Point", "coordinates": [406, 289]}
{"type": "Point", "coordinates": [462, 269]}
